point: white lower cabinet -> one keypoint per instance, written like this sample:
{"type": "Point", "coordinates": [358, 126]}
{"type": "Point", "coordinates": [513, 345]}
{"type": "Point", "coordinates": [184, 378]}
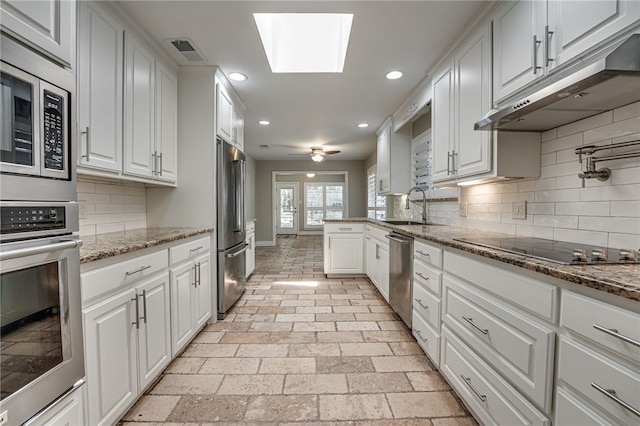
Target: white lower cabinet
{"type": "Point", "coordinates": [344, 248]}
{"type": "Point", "coordinates": [251, 249]}
{"type": "Point", "coordinates": [377, 259]}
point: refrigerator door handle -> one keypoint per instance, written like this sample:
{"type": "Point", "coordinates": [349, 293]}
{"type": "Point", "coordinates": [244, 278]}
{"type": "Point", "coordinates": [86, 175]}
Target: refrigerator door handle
{"type": "Point", "coordinates": [236, 253]}
{"type": "Point", "coordinates": [238, 202]}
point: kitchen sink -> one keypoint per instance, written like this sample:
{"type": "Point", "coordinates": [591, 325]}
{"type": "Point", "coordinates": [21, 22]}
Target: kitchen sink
{"type": "Point", "coordinates": [407, 222]}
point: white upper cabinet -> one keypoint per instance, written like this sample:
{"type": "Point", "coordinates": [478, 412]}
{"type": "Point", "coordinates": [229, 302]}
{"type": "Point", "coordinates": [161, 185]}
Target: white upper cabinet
{"type": "Point", "coordinates": [533, 38]}
{"type": "Point", "coordinates": [224, 113]}
{"type": "Point", "coordinates": [393, 163]}
{"type": "Point", "coordinates": [48, 26]}
{"type": "Point", "coordinates": [442, 124]}
{"type": "Point", "coordinates": [238, 127]}
{"type": "Point", "coordinates": [100, 88]}
{"type": "Point", "coordinates": [139, 108]}
{"type": "Point", "coordinates": [165, 153]}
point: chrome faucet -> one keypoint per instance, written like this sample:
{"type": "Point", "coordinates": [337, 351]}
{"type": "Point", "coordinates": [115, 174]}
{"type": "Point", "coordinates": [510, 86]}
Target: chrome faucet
{"type": "Point", "coordinates": [424, 202]}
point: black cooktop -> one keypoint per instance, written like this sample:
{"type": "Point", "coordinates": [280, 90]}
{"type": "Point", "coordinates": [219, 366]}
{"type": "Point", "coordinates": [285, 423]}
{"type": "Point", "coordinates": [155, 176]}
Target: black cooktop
{"type": "Point", "coordinates": [556, 251]}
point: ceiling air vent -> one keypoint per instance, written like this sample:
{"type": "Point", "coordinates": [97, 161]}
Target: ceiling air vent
{"type": "Point", "coordinates": [187, 49]}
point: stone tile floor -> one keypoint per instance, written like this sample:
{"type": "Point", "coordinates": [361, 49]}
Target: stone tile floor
{"type": "Point", "coordinates": [301, 349]}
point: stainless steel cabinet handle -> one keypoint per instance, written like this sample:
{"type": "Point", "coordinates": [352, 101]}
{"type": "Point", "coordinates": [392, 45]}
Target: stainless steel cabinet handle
{"type": "Point", "coordinates": [47, 248]}
{"type": "Point", "coordinates": [467, 380]}
{"type": "Point", "coordinates": [614, 332]}
{"type": "Point", "coordinates": [160, 168]}
{"type": "Point", "coordinates": [481, 330]}
{"type": "Point", "coordinates": [88, 140]}
{"type": "Point", "coordinates": [547, 44]}
{"type": "Point", "coordinates": [195, 276]}
{"type": "Point", "coordinates": [246, 247]}
{"type": "Point", "coordinates": [421, 275]}
{"type": "Point", "coordinates": [420, 303]}
{"type": "Point", "coordinates": [154, 160]}
{"type": "Point", "coordinates": [144, 306]}
{"type": "Point", "coordinates": [137, 321]}
{"type": "Point", "coordinates": [419, 334]}
{"type": "Point", "coordinates": [536, 43]}
{"type": "Point", "coordinates": [199, 274]}
{"type": "Point", "coordinates": [196, 249]}
{"type": "Point", "coordinates": [144, 268]}
{"type": "Point", "coordinates": [611, 393]}
{"type": "Point", "coordinates": [448, 163]}
{"type": "Point", "coordinates": [380, 185]}
{"type": "Point", "coordinates": [345, 229]}
{"type": "Point", "coordinates": [377, 252]}
{"type": "Point", "coordinates": [423, 253]}
{"type": "Point", "coordinates": [454, 170]}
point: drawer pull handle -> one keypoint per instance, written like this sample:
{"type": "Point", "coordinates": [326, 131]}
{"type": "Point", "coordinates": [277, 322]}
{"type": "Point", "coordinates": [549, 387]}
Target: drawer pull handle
{"type": "Point", "coordinates": [138, 270]}
{"type": "Point", "coordinates": [611, 393]}
{"type": "Point", "coordinates": [420, 334]}
{"type": "Point", "coordinates": [423, 253]}
{"type": "Point", "coordinates": [137, 321]}
{"type": "Point", "coordinates": [196, 249]}
{"type": "Point", "coordinates": [467, 380]}
{"type": "Point", "coordinates": [420, 303]}
{"type": "Point", "coordinates": [613, 332]}
{"type": "Point", "coordinates": [481, 330]}
{"type": "Point", "coordinates": [144, 306]}
{"type": "Point", "coordinates": [422, 276]}
{"type": "Point", "coordinates": [344, 229]}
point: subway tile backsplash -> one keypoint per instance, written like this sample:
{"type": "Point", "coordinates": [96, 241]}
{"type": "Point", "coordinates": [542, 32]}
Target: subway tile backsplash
{"type": "Point", "coordinates": [110, 206]}
{"type": "Point", "coordinates": [603, 213]}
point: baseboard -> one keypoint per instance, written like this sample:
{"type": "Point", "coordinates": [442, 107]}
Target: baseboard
{"type": "Point", "coordinates": [265, 243]}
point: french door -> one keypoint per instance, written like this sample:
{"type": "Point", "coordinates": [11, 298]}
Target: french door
{"type": "Point", "coordinates": [287, 208]}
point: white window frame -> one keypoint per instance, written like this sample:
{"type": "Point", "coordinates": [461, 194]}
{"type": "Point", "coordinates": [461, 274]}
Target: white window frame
{"type": "Point", "coordinates": [379, 203]}
{"type": "Point", "coordinates": [324, 207]}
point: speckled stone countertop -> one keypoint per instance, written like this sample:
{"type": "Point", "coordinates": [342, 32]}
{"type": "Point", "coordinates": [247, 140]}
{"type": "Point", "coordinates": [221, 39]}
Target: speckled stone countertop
{"type": "Point", "coordinates": [620, 280]}
{"type": "Point", "coordinates": [112, 244]}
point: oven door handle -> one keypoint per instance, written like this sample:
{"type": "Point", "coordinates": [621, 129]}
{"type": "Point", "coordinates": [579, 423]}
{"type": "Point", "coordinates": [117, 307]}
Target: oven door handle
{"type": "Point", "coordinates": [48, 248]}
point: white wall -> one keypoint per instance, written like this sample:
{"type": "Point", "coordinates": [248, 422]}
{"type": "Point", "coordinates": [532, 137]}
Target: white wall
{"type": "Point", "coordinates": [603, 213]}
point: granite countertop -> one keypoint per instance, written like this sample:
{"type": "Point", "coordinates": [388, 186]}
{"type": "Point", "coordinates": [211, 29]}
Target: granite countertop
{"type": "Point", "coordinates": [111, 244]}
{"type": "Point", "coordinates": [620, 280]}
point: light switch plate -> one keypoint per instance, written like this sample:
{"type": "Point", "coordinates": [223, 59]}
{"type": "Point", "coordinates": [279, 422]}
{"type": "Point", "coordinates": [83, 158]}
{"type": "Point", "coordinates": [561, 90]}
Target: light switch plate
{"type": "Point", "coordinates": [519, 210]}
{"type": "Point", "coordinates": [462, 209]}
{"type": "Point", "coordinates": [82, 215]}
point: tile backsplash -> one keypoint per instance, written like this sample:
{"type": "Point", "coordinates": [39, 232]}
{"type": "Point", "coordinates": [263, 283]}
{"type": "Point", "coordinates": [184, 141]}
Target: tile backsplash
{"type": "Point", "coordinates": [602, 213]}
{"type": "Point", "coordinates": [110, 206]}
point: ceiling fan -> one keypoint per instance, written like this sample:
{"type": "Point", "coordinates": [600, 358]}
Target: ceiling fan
{"type": "Point", "coordinates": [318, 153]}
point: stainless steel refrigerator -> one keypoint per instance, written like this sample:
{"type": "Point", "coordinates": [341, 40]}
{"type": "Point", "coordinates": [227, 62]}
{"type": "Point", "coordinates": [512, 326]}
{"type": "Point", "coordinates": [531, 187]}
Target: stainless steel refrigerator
{"type": "Point", "coordinates": [231, 226]}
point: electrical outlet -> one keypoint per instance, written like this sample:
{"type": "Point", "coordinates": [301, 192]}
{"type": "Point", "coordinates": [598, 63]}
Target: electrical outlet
{"type": "Point", "coordinates": [462, 209]}
{"type": "Point", "coordinates": [82, 211]}
{"type": "Point", "coordinates": [4, 417]}
{"type": "Point", "coordinates": [519, 210]}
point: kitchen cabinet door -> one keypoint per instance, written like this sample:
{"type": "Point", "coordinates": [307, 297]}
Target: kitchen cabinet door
{"type": "Point", "coordinates": [371, 259]}
{"type": "Point", "coordinates": [49, 26]}
{"type": "Point", "coordinates": [251, 254]}
{"type": "Point", "coordinates": [383, 270]}
{"type": "Point", "coordinates": [154, 343]}
{"type": "Point", "coordinates": [442, 125]}
{"type": "Point", "coordinates": [383, 161]}
{"type": "Point", "coordinates": [166, 146]}
{"type": "Point", "coordinates": [110, 357]}
{"type": "Point", "coordinates": [182, 327]}
{"type": "Point", "coordinates": [224, 113]}
{"type": "Point", "coordinates": [139, 108]}
{"type": "Point", "coordinates": [238, 128]}
{"type": "Point", "coordinates": [100, 88]}
{"type": "Point", "coordinates": [344, 253]}
{"type": "Point", "coordinates": [202, 297]}
{"type": "Point", "coordinates": [393, 164]}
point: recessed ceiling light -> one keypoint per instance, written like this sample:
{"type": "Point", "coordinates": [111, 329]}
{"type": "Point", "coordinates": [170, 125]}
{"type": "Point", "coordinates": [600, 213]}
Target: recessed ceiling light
{"type": "Point", "coordinates": [304, 42]}
{"type": "Point", "coordinates": [237, 76]}
{"type": "Point", "coordinates": [310, 175]}
{"type": "Point", "coordinates": [394, 75]}
{"type": "Point", "coordinates": [264, 122]}
{"type": "Point", "coordinates": [363, 125]}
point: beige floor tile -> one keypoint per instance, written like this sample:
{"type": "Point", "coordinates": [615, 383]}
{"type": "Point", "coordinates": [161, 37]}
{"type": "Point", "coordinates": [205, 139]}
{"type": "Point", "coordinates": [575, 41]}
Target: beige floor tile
{"type": "Point", "coordinates": [245, 310]}
{"type": "Point", "coordinates": [314, 326]}
{"type": "Point", "coordinates": [369, 302]}
{"type": "Point", "coordinates": [295, 318]}
{"type": "Point", "coordinates": [387, 336]}
{"type": "Point", "coordinates": [247, 337]}
{"type": "Point", "coordinates": [427, 381]}
{"type": "Point", "coordinates": [315, 384]}
{"type": "Point", "coordinates": [298, 303]}
{"type": "Point", "coordinates": [351, 309]}
{"type": "Point", "coordinates": [276, 309]}
{"type": "Point", "coordinates": [287, 366]}
{"type": "Point", "coordinates": [424, 404]}
{"type": "Point", "coordinates": [344, 364]}
{"type": "Point", "coordinates": [357, 326]}
{"type": "Point", "coordinates": [315, 296]}
{"type": "Point", "coordinates": [340, 336]}
{"type": "Point", "coordinates": [405, 348]}
{"type": "Point", "coordinates": [354, 407]}
{"type": "Point", "coordinates": [271, 326]}
{"type": "Point", "coordinates": [387, 364]}
{"type": "Point", "coordinates": [335, 317]}
{"type": "Point", "coordinates": [187, 384]}
{"type": "Point", "coordinates": [255, 317]}
{"type": "Point", "coordinates": [210, 350]}
{"type": "Point", "coordinates": [395, 422]}
{"type": "Point", "coordinates": [230, 366]}
{"type": "Point", "coordinates": [378, 382]}
{"type": "Point", "coordinates": [279, 408]}
{"type": "Point", "coordinates": [210, 409]}
{"type": "Point", "coordinates": [250, 384]}
{"type": "Point", "coordinates": [455, 421]}
{"type": "Point", "coordinates": [183, 365]}
{"type": "Point", "coordinates": [152, 408]}
{"type": "Point", "coordinates": [263, 350]}
{"type": "Point", "coordinates": [375, 317]}
{"type": "Point", "coordinates": [381, 309]}
{"type": "Point", "coordinates": [314, 349]}
{"type": "Point", "coordinates": [391, 325]}
{"type": "Point", "coordinates": [332, 303]}
{"type": "Point", "coordinates": [208, 337]}
{"type": "Point", "coordinates": [293, 337]}
{"type": "Point", "coordinates": [313, 310]}
{"type": "Point", "coordinates": [365, 349]}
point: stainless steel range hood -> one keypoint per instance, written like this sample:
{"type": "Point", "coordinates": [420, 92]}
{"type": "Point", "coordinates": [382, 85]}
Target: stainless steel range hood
{"type": "Point", "coordinates": [610, 82]}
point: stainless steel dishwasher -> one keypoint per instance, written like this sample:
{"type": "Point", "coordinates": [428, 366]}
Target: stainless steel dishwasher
{"type": "Point", "coordinates": [400, 275]}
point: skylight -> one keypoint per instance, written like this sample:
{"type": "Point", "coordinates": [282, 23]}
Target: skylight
{"type": "Point", "coordinates": [304, 42]}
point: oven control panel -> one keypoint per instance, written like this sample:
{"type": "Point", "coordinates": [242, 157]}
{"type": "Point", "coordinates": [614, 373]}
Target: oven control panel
{"type": "Point", "coordinates": [27, 219]}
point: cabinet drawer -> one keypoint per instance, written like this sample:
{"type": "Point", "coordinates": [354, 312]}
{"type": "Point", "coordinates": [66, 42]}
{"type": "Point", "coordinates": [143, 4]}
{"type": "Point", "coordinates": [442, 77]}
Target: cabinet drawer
{"type": "Point", "coordinates": [583, 369]}
{"type": "Point", "coordinates": [426, 304]}
{"type": "Point", "coordinates": [428, 277]}
{"type": "Point", "coordinates": [427, 253]}
{"type": "Point", "coordinates": [570, 411]}
{"type": "Point", "coordinates": [427, 337]}
{"type": "Point", "coordinates": [104, 280]}
{"type": "Point", "coordinates": [602, 323]}
{"type": "Point", "coordinates": [188, 250]}
{"type": "Point", "coordinates": [491, 399]}
{"type": "Point", "coordinates": [343, 227]}
{"type": "Point", "coordinates": [531, 295]}
{"type": "Point", "coordinates": [518, 347]}
{"type": "Point", "coordinates": [378, 233]}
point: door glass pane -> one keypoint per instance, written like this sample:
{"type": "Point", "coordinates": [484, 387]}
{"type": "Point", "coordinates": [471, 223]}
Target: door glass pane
{"type": "Point", "coordinates": [16, 135]}
{"type": "Point", "coordinates": [286, 208]}
{"type": "Point", "coordinates": [30, 329]}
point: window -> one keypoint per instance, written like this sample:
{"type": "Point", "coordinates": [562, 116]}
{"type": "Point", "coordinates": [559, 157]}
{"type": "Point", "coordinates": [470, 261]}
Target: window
{"type": "Point", "coordinates": [376, 204]}
{"type": "Point", "coordinates": [322, 200]}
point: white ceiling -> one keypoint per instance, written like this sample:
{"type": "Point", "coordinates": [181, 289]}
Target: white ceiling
{"type": "Point", "coordinates": [308, 110]}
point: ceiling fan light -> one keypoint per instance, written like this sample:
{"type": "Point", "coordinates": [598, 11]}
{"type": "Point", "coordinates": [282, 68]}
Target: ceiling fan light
{"type": "Point", "coordinates": [317, 157]}
{"type": "Point", "coordinates": [310, 175]}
